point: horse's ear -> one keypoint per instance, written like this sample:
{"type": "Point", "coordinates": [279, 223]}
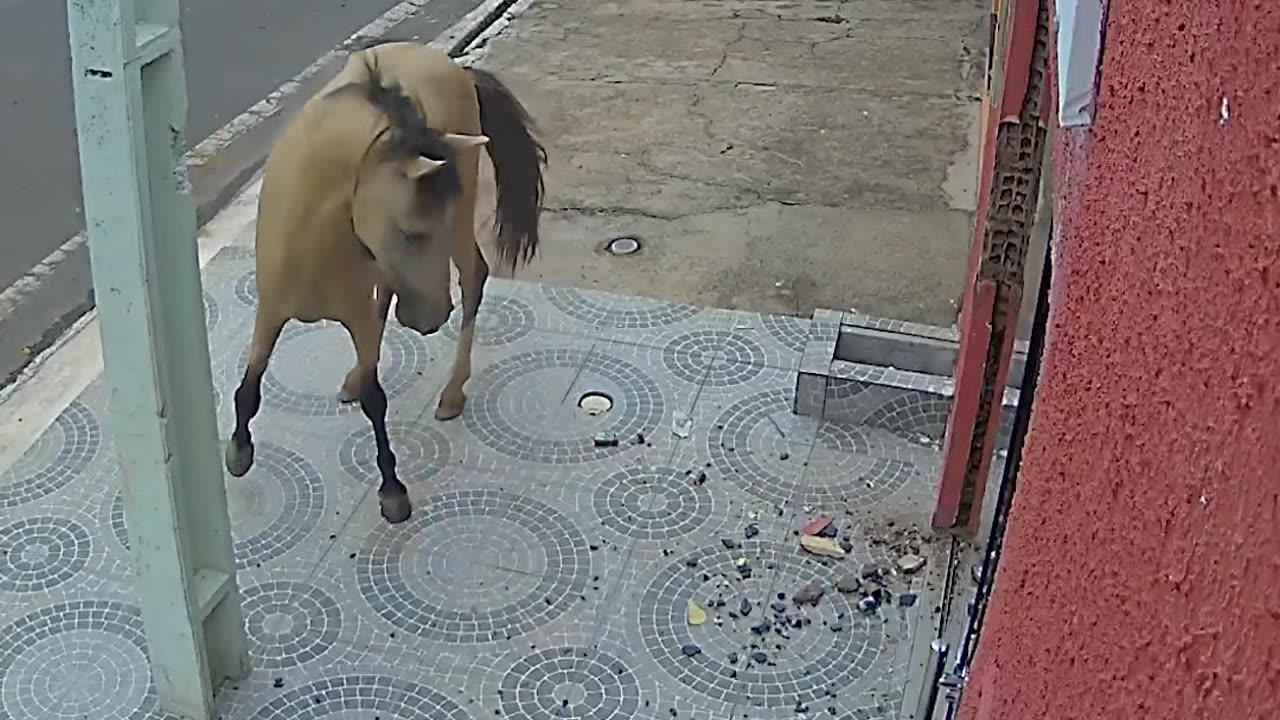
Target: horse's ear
{"type": "Point", "coordinates": [462, 142]}
{"type": "Point", "coordinates": [420, 167]}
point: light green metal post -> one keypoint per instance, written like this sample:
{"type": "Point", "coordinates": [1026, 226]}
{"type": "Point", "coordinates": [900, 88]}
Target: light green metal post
{"type": "Point", "coordinates": [131, 103]}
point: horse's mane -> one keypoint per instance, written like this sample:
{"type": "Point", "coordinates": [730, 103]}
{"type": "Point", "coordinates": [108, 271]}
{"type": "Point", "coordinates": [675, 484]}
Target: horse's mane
{"type": "Point", "coordinates": [408, 134]}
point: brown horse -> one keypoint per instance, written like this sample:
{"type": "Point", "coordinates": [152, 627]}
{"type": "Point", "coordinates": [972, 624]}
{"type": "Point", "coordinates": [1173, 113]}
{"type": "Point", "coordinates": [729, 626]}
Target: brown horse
{"type": "Point", "coordinates": [368, 193]}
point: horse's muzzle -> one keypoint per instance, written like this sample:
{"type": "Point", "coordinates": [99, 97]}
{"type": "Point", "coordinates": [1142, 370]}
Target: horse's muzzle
{"type": "Point", "coordinates": [422, 317]}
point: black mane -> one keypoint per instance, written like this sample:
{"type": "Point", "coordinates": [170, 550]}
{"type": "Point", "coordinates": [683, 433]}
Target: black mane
{"type": "Point", "coordinates": [409, 136]}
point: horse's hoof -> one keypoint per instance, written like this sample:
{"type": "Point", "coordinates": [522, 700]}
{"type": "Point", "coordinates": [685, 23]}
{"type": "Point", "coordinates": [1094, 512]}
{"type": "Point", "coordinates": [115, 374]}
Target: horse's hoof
{"type": "Point", "coordinates": [347, 396]}
{"type": "Point", "coordinates": [447, 413]}
{"type": "Point", "coordinates": [238, 459]}
{"type": "Point", "coordinates": [395, 507]}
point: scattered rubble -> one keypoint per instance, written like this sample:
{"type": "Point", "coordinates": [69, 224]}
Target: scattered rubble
{"type": "Point", "coordinates": [848, 585]}
{"type": "Point", "coordinates": [821, 546]}
{"type": "Point", "coordinates": [911, 563]}
{"type": "Point", "coordinates": [605, 439]}
{"type": "Point", "coordinates": [695, 614]}
{"type": "Point", "coordinates": [816, 525]}
{"type": "Point", "coordinates": [810, 594]}
{"type": "Point", "coordinates": [681, 424]}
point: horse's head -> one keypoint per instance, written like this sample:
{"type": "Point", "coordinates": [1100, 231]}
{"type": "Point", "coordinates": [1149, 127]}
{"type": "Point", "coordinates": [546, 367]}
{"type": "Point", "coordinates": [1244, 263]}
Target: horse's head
{"type": "Point", "coordinates": [403, 209]}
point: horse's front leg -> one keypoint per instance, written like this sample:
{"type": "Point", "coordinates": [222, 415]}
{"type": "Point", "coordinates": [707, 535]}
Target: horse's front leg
{"type": "Point", "coordinates": [248, 397]}
{"type": "Point", "coordinates": [473, 274]}
{"type": "Point", "coordinates": [354, 381]}
{"type": "Point", "coordinates": [366, 334]}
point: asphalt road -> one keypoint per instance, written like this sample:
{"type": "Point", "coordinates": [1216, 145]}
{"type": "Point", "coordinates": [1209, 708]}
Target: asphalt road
{"type": "Point", "coordinates": [237, 52]}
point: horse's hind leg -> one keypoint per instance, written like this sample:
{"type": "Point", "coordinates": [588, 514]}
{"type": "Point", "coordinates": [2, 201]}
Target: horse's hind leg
{"type": "Point", "coordinates": [354, 382]}
{"type": "Point", "coordinates": [248, 398]}
{"type": "Point", "coordinates": [473, 275]}
{"type": "Point", "coordinates": [366, 334]}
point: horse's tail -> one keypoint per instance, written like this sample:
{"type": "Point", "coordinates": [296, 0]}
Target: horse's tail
{"type": "Point", "coordinates": [518, 159]}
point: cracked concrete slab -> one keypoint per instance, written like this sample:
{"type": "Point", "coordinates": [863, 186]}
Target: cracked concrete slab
{"type": "Point", "coordinates": [773, 156]}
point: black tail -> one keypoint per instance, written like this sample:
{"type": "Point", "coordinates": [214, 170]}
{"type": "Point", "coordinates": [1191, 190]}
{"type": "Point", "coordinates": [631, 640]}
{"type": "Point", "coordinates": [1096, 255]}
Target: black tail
{"type": "Point", "coordinates": [518, 159]}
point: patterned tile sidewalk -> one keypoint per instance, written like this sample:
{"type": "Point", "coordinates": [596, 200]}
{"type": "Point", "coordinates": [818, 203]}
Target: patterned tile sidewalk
{"type": "Point", "coordinates": [540, 576]}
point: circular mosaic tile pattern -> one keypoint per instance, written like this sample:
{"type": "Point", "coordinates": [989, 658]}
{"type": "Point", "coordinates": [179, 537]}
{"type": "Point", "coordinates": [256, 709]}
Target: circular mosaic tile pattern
{"type": "Point", "coordinates": [912, 416]}
{"type": "Point", "coordinates": [515, 391]}
{"type": "Point", "coordinates": [652, 503]}
{"type": "Point", "coordinates": [212, 314]}
{"type": "Point", "coordinates": [246, 289]}
{"type": "Point", "coordinates": [801, 668]}
{"type": "Point", "coordinates": [275, 506]}
{"type": "Point", "coordinates": [790, 331]}
{"type": "Point", "coordinates": [500, 321]}
{"type": "Point", "coordinates": [855, 479]}
{"type": "Point", "coordinates": [570, 683]}
{"type": "Point", "coordinates": [475, 566]}
{"type": "Point", "coordinates": [714, 358]}
{"type": "Point", "coordinates": [57, 458]}
{"type": "Point", "coordinates": [289, 623]}
{"type": "Point", "coordinates": [745, 445]}
{"type": "Point", "coordinates": [39, 553]}
{"type": "Point", "coordinates": [348, 697]}
{"type": "Point", "coordinates": [421, 453]}
{"type": "Point", "coordinates": [844, 437]}
{"type": "Point", "coordinates": [75, 660]}
{"type": "Point", "coordinates": [313, 360]}
{"type": "Point", "coordinates": [629, 314]}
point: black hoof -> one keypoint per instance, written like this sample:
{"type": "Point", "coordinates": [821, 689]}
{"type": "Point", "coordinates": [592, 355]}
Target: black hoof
{"type": "Point", "coordinates": [396, 507]}
{"type": "Point", "coordinates": [238, 459]}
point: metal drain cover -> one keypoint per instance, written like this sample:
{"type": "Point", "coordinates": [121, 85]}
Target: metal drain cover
{"type": "Point", "coordinates": [623, 245]}
{"type": "Point", "coordinates": [595, 403]}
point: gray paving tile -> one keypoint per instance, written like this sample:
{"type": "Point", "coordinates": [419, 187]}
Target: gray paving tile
{"type": "Point", "coordinates": [540, 575]}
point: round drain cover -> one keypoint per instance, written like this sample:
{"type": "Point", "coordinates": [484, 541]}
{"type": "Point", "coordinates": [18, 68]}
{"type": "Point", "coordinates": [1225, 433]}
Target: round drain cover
{"type": "Point", "coordinates": [595, 403]}
{"type": "Point", "coordinates": [623, 245]}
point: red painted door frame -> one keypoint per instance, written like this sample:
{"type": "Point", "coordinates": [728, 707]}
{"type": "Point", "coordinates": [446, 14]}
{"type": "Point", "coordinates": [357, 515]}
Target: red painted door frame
{"type": "Point", "coordinates": [1015, 117]}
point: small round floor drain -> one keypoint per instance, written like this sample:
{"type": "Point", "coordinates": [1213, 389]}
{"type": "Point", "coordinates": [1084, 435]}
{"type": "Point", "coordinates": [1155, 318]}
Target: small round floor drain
{"type": "Point", "coordinates": [595, 403]}
{"type": "Point", "coordinates": [623, 245]}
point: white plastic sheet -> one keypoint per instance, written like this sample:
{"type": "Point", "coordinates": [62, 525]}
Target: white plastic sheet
{"type": "Point", "coordinates": [1079, 29]}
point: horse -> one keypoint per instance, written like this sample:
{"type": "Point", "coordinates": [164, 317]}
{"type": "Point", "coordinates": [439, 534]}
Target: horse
{"type": "Point", "coordinates": [367, 194]}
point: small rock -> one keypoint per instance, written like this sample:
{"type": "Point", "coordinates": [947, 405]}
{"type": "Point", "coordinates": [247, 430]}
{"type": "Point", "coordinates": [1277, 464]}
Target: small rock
{"type": "Point", "coordinates": [836, 627]}
{"type": "Point", "coordinates": [911, 563]}
{"type": "Point", "coordinates": [744, 607]}
{"type": "Point", "coordinates": [639, 439]}
{"type": "Point", "coordinates": [690, 650]}
{"type": "Point", "coordinates": [868, 604]}
{"type": "Point", "coordinates": [729, 543]}
{"type": "Point", "coordinates": [816, 525]}
{"type": "Point", "coordinates": [829, 531]}
{"type": "Point", "coordinates": [779, 607]}
{"type": "Point", "coordinates": [849, 585]}
{"type": "Point", "coordinates": [691, 562]}
{"type": "Point", "coordinates": [751, 531]}
{"type": "Point", "coordinates": [821, 546]}
{"type": "Point", "coordinates": [810, 594]}
{"type": "Point", "coordinates": [907, 599]}
{"type": "Point", "coordinates": [278, 683]}
{"type": "Point", "coordinates": [784, 456]}
{"type": "Point", "coordinates": [694, 614]}
{"type": "Point", "coordinates": [681, 424]}
{"type": "Point", "coordinates": [847, 545]}
{"type": "Point", "coordinates": [605, 439]}
{"type": "Point", "coordinates": [733, 658]}
{"type": "Point", "coordinates": [762, 627]}
{"type": "Point", "coordinates": [760, 657]}
{"type": "Point", "coordinates": [872, 572]}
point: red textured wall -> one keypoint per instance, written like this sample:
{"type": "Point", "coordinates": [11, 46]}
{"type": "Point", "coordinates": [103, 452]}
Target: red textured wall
{"type": "Point", "coordinates": [1141, 570]}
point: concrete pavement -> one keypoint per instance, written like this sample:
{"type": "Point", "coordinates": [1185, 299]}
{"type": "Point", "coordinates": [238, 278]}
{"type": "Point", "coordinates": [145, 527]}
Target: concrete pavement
{"type": "Point", "coordinates": [237, 52]}
{"type": "Point", "coordinates": [773, 156]}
